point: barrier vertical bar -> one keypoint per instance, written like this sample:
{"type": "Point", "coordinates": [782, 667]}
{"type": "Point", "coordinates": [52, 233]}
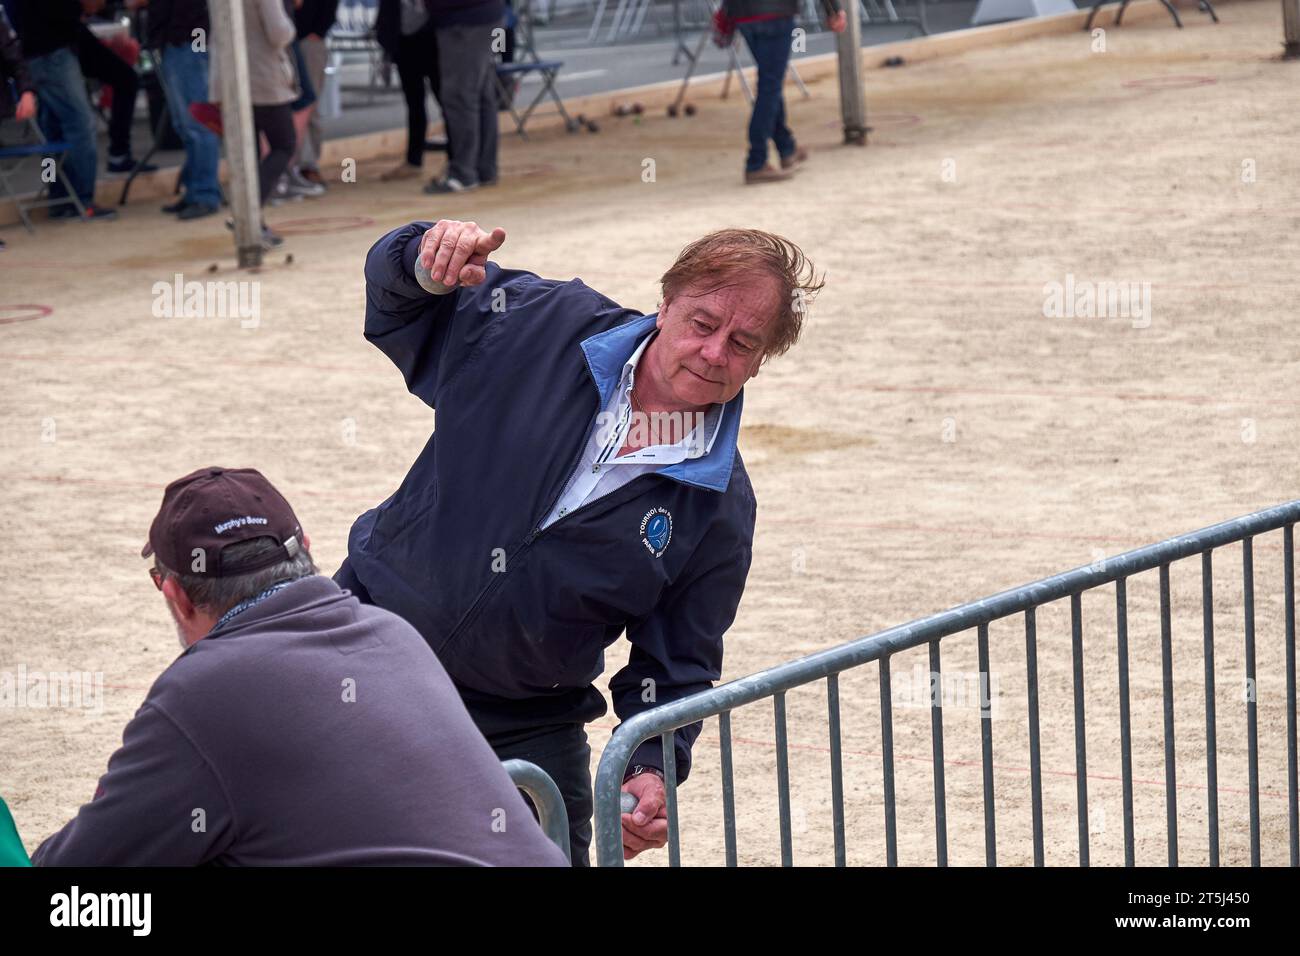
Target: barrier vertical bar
{"type": "Point", "coordinates": [986, 747]}
{"type": "Point", "coordinates": [670, 798]}
{"type": "Point", "coordinates": [1252, 717]}
{"type": "Point", "coordinates": [1080, 737]}
{"type": "Point", "coordinates": [1211, 745]}
{"type": "Point", "coordinates": [783, 779]}
{"type": "Point", "coordinates": [1288, 584]}
{"type": "Point", "coordinates": [1125, 727]}
{"type": "Point", "coordinates": [728, 788]}
{"type": "Point", "coordinates": [1035, 751]}
{"type": "Point", "coordinates": [887, 750]}
{"type": "Point", "coordinates": [1167, 680]}
{"type": "Point", "coordinates": [936, 744]}
{"type": "Point", "coordinates": [837, 766]}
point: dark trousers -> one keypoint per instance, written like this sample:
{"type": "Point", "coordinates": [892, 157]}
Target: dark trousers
{"type": "Point", "coordinates": [769, 42]}
{"type": "Point", "coordinates": [276, 124]}
{"type": "Point", "coordinates": [417, 63]}
{"type": "Point", "coordinates": [100, 63]}
{"type": "Point", "coordinates": [561, 749]}
{"type": "Point", "coordinates": [563, 752]}
{"type": "Point", "coordinates": [469, 101]}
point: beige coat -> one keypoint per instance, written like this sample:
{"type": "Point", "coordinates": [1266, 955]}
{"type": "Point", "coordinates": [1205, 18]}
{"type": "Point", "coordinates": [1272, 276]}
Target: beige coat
{"type": "Point", "coordinates": [271, 72]}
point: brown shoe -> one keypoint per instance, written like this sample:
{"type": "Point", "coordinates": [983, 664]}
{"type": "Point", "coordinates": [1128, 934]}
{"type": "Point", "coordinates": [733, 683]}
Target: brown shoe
{"type": "Point", "coordinates": [797, 158]}
{"type": "Point", "coordinates": [767, 174]}
{"type": "Point", "coordinates": [402, 170]}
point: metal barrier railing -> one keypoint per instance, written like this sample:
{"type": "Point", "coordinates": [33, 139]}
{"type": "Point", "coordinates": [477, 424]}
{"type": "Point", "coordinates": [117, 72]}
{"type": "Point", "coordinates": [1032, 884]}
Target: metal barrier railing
{"type": "Point", "coordinates": [827, 665]}
{"type": "Point", "coordinates": [546, 800]}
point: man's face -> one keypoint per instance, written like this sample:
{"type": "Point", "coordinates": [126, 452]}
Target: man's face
{"type": "Point", "coordinates": [711, 343]}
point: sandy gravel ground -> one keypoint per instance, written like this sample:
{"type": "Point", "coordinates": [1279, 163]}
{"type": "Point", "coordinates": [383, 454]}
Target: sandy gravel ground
{"type": "Point", "coordinates": [935, 438]}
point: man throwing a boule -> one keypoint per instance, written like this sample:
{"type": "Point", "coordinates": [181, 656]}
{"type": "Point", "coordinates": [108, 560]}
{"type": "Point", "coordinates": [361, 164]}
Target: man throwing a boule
{"type": "Point", "coordinates": [583, 483]}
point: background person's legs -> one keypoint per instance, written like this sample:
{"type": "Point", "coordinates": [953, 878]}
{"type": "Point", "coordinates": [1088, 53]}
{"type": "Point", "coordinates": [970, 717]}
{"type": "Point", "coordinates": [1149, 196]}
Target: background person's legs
{"type": "Point", "coordinates": [185, 79]}
{"type": "Point", "coordinates": [100, 63]}
{"type": "Point", "coordinates": [276, 124]}
{"type": "Point", "coordinates": [769, 44]}
{"type": "Point", "coordinates": [465, 70]}
{"type": "Point", "coordinates": [411, 69]}
{"type": "Point", "coordinates": [489, 120]}
{"type": "Point", "coordinates": [314, 56]}
{"type": "Point", "coordinates": [65, 114]}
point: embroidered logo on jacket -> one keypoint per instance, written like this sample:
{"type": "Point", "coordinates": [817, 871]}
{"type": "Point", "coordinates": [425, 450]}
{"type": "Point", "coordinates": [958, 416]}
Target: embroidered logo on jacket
{"type": "Point", "coordinates": [657, 530]}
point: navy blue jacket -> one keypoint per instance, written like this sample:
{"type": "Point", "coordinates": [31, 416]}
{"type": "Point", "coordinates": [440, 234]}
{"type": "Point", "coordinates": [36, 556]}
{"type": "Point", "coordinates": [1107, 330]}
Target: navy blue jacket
{"type": "Point", "coordinates": [517, 390]}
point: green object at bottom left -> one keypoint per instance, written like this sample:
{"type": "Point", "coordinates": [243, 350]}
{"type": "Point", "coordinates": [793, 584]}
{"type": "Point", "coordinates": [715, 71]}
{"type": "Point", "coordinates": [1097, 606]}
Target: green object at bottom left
{"type": "Point", "coordinates": [11, 847]}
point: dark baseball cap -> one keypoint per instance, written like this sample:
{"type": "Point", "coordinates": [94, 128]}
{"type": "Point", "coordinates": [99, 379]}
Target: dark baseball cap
{"type": "Point", "coordinates": [210, 509]}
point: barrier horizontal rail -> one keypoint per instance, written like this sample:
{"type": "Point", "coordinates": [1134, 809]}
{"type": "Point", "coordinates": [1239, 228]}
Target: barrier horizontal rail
{"type": "Point", "coordinates": [826, 665]}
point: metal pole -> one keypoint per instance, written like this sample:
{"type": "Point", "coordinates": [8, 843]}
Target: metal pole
{"type": "Point", "coordinates": [853, 100]}
{"type": "Point", "coordinates": [231, 42]}
{"type": "Point", "coordinates": [1291, 28]}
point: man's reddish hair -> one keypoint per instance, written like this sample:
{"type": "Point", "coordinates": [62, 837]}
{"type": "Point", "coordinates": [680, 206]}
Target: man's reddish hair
{"type": "Point", "coordinates": [734, 256]}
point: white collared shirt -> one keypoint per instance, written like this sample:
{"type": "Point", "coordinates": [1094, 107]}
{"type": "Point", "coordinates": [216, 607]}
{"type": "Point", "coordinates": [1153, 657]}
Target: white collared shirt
{"type": "Point", "coordinates": [600, 472]}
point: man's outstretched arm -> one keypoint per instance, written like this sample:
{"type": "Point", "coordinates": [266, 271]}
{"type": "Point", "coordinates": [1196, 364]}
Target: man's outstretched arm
{"type": "Point", "coordinates": [426, 335]}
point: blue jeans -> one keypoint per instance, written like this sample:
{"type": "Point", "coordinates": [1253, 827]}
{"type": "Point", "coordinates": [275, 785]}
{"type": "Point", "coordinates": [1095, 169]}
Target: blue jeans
{"type": "Point", "coordinates": [769, 43]}
{"type": "Point", "coordinates": [64, 114]}
{"type": "Point", "coordinates": [185, 80]}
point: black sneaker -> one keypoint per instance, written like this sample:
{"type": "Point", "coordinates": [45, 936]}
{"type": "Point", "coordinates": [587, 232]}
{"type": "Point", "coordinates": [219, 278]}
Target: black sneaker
{"type": "Point", "coordinates": [125, 164]}
{"type": "Point", "coordinates": [69, 211]}
{"type": "Point", "coordinates": [196, 210]}
{"type": "Point", "coordinates": [172, 209]}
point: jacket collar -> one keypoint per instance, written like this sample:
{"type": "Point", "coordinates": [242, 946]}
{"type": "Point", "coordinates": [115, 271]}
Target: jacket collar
{"type": "Point", "coordinates": [608, 351]}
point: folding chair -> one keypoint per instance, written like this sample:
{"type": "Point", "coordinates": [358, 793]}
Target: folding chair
{"type": "Point", "coordinates": [14, 159]}
{"type": "Point", "coordinates": [528, 62]}
{"type": "Point", "coordinates": [549, 69]}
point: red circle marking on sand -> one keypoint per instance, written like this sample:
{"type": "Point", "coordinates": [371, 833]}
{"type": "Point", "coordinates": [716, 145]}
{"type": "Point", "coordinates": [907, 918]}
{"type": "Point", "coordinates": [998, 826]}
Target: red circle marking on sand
{"type": "Point", "coordinates": [37, 312]}
{"type": "Point", "coordinates": [1170, 82]}
{"type": "Point", "coordinates": [878, 120]}
{"type": "Point", "coordinates": [323, 224]}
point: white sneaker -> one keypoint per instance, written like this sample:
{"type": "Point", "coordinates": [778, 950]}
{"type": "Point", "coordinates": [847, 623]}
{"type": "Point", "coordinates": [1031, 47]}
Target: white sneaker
{"type": "Point", "coordinates": [448, 184]}
{"type": "Point", "coordinates": [283, 194]}
{"type": "Point", "coordinates": [297, 185]}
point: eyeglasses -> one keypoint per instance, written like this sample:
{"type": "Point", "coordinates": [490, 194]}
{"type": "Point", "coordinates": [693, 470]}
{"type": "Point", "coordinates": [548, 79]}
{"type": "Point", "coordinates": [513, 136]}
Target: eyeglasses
{"type": "Point", "coordinates": [158, 577]}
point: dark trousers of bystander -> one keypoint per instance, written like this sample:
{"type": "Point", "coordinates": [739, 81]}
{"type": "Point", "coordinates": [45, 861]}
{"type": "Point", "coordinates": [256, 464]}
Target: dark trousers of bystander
{"type": "Point", "coordinates": [276, 124]}
{"type": "Point", "coordinates": [100, 63]}
{"type": "Point", "coordinates": [417, 63]}
{"type": "Point", "coordinates": [469, 101]}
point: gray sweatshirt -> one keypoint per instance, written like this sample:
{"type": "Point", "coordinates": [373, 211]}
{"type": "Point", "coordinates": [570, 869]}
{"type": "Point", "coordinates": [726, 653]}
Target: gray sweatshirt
{"type": "Point", "coordinates": [309, 729]}
{"type": "Point", "coordinates": [272, 79]}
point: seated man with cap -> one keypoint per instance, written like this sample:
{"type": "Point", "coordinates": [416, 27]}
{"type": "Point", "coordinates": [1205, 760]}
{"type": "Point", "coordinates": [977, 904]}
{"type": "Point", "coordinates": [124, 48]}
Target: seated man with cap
{"type": "Point", "coordinates": [298, 726]}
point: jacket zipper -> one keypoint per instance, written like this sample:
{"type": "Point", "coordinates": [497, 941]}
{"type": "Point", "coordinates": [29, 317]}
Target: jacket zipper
{"type": "Point", "coordinates": [499, 578]}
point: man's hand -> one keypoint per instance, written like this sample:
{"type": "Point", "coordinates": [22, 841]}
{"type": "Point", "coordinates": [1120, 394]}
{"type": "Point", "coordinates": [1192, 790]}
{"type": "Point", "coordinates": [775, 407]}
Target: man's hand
{"type": "Point", "coordinates": [459, 250]}
{"type": "Point", "coordinates": [26, 106]}
{"type": "Point", "coordinates": [647, 825]}
{"type": "Point", "coordinates": [838, 22]}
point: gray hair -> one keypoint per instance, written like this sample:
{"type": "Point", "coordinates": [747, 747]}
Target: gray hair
{"type": "Point", "coordinates": [217, 595]}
